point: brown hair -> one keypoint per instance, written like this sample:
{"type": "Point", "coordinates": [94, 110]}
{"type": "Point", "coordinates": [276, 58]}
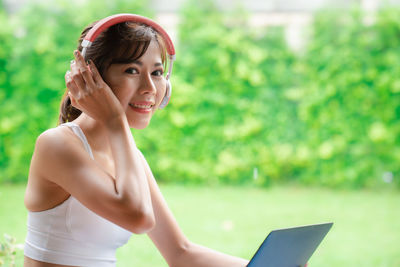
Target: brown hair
{"type": "Point", "coordinates": [121, 43]}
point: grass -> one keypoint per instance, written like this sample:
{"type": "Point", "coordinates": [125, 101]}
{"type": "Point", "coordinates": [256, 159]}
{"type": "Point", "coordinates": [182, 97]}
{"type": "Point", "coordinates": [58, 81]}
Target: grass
{"type": "Point", "coordinates": [235, 220]}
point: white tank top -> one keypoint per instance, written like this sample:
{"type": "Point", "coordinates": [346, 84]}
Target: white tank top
{"type": "Point", "coordinates": [71, 234]}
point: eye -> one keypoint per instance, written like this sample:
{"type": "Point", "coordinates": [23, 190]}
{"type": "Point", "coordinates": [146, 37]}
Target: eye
{"type": "Point", "coordinates": [158, 73]}
{"type": "Point", "coordinates": [132, 71]}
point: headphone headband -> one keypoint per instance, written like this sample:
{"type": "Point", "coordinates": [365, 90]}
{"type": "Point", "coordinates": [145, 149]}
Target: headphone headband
{"type": "Point", "coordinates": [105, 23]}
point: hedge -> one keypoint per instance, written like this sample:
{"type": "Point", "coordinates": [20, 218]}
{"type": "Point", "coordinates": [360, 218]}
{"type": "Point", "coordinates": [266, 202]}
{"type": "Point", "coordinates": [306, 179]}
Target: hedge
{"type": "Point", "coordinates": [246, 109]}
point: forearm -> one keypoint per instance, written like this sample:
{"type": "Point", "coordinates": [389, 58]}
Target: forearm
{"type": "Point", "coordinates": [130, 179]}
{"type": "Point", "coordinates": [198, 256]}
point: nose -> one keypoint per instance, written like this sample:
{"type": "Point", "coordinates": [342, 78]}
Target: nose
{"type": "Point", "coordinates": [147, 85]}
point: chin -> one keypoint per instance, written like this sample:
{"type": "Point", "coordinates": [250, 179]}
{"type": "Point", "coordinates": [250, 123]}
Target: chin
{"type": "Point", "coordinates": [139, 125]}
{"type": "Point", "coordinates": [137, 121]}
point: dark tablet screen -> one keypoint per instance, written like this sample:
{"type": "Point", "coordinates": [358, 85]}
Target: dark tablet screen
{"type": "Point", "coordinates": [291, 247]}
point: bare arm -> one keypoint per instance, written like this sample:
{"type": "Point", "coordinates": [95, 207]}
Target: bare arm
{"type": "Point", "coordinates": [131, 185]}
{"type": "Point", "coordinates": [199, 256]}
{"type": "Point", "coordinates": [60, 158]}
{"type": "Point", "coordinates": [177, 250]}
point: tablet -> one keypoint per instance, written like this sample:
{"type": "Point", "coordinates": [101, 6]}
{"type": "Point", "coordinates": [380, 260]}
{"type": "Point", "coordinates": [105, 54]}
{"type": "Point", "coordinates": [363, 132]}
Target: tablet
{"type": "Point", "coordinates": [291, 247]}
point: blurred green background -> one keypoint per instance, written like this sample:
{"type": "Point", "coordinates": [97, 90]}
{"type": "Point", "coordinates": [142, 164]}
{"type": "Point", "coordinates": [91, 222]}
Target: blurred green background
{"type": "Point", "coordinates": [247, 110]}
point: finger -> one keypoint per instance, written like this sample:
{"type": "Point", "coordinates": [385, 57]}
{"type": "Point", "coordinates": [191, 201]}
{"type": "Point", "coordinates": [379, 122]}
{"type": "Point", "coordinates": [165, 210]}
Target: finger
{"type": "Point", "coordinates": [95, 72]}
{"type": "Point", "coordinates": [71, 85]}
{"type": "Point", "coordinates": [77, 77]}
{"type": "Point", "coordinates": [84, 70]}
{"type": "Point", "coordinates": [79, 58]}
{"type": "Point", "coordinates": [87, 77]}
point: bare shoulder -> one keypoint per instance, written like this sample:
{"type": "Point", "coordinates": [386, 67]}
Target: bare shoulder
{"type": "Point", "coordinates": [54, 140]}
{"type": "Point", "coordinates": [57, 142]}
{"type": "Point", "coordinates": [51, 148]}
{"type": "Point", "coordinates": [54, 147]}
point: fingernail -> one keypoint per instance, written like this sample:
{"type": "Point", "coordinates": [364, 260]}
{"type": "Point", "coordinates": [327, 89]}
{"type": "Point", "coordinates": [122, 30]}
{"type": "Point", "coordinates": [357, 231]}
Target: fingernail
{"type": "Point", "coordinates": [76, 52]}
{"type": "Point", "coordinates": [88, 62]}
{"type": "Point", "coordinates": [72, 62]}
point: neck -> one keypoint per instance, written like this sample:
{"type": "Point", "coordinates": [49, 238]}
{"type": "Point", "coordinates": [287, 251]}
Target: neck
{"type": "Point", "coordinates": [94, 132]}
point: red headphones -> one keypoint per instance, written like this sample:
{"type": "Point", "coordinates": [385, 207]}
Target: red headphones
{"type": "Point", "coordinates": [105, 23]}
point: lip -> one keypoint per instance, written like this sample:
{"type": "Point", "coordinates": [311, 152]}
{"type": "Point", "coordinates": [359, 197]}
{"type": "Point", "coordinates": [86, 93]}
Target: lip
{"type": "Point", "coordinates": [143, 103]}
{"type": "Point", "coordinates": [142, 110]}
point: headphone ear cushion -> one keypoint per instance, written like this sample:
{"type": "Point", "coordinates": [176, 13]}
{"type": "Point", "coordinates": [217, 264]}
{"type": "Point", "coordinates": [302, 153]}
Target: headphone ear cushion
{"type": "Point", "coordinates": [167, 97]}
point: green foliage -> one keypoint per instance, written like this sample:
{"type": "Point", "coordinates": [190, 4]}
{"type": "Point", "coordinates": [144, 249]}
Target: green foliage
{"type": "Point", "coordinates": [218, 121]}
{"type": "Point", "coordinates": [351, 99]}
{"type": "Point", "coordinates": [37, 48]}
{"type": "Point", "coordinates": [244, 105]}
{"type": "Point", "coordinates": [8, 250]}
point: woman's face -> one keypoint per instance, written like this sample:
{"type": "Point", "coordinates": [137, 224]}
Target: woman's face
{"type": "Point", "coordinates": [139, 85]}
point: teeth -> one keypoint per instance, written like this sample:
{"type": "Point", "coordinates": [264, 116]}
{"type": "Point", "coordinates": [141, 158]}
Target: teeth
{"type": "Point", "coordinates": [140, 106]}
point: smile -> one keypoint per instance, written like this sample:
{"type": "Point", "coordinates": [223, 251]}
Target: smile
{"type": "Point", "coordinates": [140, 106]}
{"type": "Point", "coordinates": [143, 107]}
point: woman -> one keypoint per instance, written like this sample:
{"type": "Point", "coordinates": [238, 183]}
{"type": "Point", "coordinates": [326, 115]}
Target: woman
{"type": "Point", "coordinates": [89, 186]}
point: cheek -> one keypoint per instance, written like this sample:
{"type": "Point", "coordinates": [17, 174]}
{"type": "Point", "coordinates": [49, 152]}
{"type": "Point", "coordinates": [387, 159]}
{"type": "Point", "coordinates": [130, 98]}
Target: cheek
{"type": "Point", "coordinates": [123, 89]}
{"type": "Point", "coordinates": [122, 94]}
{"type": "Point", "coordinates": [161, 89]}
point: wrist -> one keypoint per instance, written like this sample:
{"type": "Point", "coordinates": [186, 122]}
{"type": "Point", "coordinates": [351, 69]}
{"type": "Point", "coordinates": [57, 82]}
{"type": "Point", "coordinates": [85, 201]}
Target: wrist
{"type": "Point", "coordinates": [117, 123]}
{"type": "Point", "coordinates": [118, 127]}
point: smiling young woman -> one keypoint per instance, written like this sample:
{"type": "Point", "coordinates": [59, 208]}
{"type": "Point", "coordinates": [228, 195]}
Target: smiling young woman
{"type": "Point", "coordinates": [89, 186]}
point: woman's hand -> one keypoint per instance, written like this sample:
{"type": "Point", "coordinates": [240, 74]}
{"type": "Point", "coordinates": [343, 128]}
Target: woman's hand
{"type": "Point", "coordinates": [89, 92]}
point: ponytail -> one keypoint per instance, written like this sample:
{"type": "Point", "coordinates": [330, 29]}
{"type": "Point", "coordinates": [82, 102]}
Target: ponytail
{"type": "Point", "coordinates": [67, 111]}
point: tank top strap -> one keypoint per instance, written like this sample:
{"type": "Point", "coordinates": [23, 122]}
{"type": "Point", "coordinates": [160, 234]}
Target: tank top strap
{"type": "Point", "coordinates": [78, 131]}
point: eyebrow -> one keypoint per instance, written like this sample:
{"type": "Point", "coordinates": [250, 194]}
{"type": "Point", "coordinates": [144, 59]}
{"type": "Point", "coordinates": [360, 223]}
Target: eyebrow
{"type": "Point", "coordinates": [140, 63]}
